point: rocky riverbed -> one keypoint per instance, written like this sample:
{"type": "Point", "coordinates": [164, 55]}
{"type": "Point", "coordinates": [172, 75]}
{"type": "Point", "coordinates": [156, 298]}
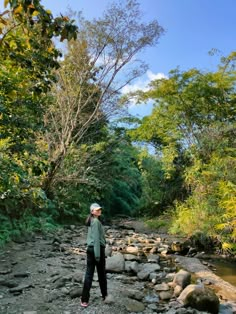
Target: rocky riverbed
{"type": "Point", "coordinates": [44, 274]}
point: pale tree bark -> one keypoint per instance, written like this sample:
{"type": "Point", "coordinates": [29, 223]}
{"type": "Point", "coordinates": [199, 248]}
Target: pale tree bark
{"type": "Point", "coordinates": [97, 66]}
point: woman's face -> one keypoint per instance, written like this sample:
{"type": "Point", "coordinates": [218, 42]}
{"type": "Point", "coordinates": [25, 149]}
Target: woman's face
{"type": "Point", "coordinates": [97, 212]}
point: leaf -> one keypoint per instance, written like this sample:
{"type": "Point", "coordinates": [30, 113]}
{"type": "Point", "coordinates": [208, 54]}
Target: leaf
{"type": "Point", "coordinates": [35, 13]}
{"type": "Point", "coordinates": [6, 3]}
{"type": "Point", "coordinates": [13, 44]}
{"type": "Point", "coordinates": [18, 9]}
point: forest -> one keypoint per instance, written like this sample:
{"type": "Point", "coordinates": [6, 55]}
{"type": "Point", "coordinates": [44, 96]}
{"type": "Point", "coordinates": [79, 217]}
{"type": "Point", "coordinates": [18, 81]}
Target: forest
{"type": "Point", "coordinates": [67, 138]}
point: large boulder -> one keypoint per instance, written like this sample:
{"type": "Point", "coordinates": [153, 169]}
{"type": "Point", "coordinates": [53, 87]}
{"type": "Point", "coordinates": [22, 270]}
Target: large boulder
{"type": "Point", "coordinates": [200, 298]}
{"type": "Point", "coordinates": [115, 263]}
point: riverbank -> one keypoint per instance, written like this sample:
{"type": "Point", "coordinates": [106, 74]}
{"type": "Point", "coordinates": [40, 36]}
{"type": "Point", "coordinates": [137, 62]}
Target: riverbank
{"type": "Point", "coordinates": [44, 274]}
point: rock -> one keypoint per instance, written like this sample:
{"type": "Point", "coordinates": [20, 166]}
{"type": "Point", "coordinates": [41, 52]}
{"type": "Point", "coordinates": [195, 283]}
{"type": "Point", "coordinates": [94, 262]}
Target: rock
{"type": "Point", "coordinates": [132, 249]}
{"type": "Point", "coordinates": [115, 263]}
{"type": "Point", "coordinates": [227, 308]}
{"type": "Point", "coordinates": [200, 298]}
{"type": "Point", "coordinates": [8, 283]}
{"type": "Point", "coordinates": [108, 250]}
{"type": "Point", "coordinates": [177, 290]}
{"type": "Point", "coordinates": [109, 299]}
{"type": "Point", "coordinates": [165, 295]}
{"type": "Point", "coordinates": [162, 287]}
{"type": "Point", "coordinates": [58, 290]}
{"type": "Point", "coordinates": [78, 277]}
{"type": "Point", "coordinates": [131, 266]}
{"type": "Point", "coordinates": [130, 257]}
{"type": "Point", "coordinates": [21, 274]}
{"type": "Point", "coordinates": [133, 294]}
{"type": "Point", "coordinates": [151, 298]}
{"type": "Point", "coordinates": [5, 271]}
{"type": "Point", "coordinates": [134, 306]}
{"type": "Point", "coordinates": [75, 292]}
{"type": "Point", "coordinates": [182, 278]}
{"type": "Point", "coordinates": [153, 258]}
{"type": "Point", "coordinates": [20, 288]}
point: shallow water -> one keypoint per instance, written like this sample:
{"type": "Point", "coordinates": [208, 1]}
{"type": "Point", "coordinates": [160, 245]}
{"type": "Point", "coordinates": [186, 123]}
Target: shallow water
{"type": "Point", "coordinates": [225, 270]}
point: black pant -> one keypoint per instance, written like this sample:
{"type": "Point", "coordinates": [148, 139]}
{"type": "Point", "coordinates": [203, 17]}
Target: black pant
{"type": "Point", "coordinates": [101, 270]}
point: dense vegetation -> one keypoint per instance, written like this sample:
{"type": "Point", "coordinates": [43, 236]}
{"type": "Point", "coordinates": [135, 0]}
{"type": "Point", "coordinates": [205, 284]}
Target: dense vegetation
{"type": "Point", "coordinates": [66, 138]}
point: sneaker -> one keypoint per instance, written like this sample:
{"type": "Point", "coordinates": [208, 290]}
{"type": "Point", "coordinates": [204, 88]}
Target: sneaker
{"type": "Point", "coordinates": [83, 304]}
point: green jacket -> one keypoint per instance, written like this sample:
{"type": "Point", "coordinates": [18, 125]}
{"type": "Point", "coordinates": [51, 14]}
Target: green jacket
{"type": "Point", "coordinates": [96, 237]}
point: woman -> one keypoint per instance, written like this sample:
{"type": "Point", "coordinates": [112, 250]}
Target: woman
{"type": "Point", "coordinates": [95, 254]}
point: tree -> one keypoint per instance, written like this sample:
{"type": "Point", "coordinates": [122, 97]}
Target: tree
{"type": "Point", "coordinates": [98, 64]}
{"type": "Point", "coordinates": [194, 117]}
{"type": "Point", "coordinates": [27, 56]}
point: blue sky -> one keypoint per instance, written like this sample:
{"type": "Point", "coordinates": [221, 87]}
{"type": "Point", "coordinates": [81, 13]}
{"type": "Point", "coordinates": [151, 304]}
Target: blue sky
{"type": "Point", "coordinates": [192, 29]}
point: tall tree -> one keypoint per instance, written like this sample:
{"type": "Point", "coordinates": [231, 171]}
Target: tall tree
{"type": "Point", "coordinates": [98, 64]}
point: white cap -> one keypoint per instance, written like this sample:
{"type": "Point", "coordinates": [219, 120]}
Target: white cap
{"type": "Point", "coordinates": [95, 206]}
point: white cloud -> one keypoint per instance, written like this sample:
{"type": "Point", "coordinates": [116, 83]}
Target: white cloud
{"type": "Point", "coordinates": [142, 84]}
{"type": "Point", "coordinates": [152, 76]}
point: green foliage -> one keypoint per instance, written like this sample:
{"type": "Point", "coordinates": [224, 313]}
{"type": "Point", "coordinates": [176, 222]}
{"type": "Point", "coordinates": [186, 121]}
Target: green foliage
{"type": "Point", "coordinates": [158, 223]}
{"type": "Point", "coordinates": [27, 56]}
{"type": "Point", "coordinates": [33, 14]}
{"type": "Point", "coordinates": [106, 171]}
{"type": "Point", "coordinates": [58, 152]}
{"type": "Point", "coordinates": [192, 128]}
{"type": "Point", "coordinates": [159, 190]}
{"type": "Point", "coordinates": [26, 226]}
{"type": "Point", "coordinates": [122, 183]}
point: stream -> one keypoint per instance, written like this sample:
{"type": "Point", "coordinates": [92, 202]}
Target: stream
{"type": "Point", "coordinates": [225, 270]}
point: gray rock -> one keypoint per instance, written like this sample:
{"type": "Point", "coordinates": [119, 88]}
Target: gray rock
{"type": "Point", "coordinates": [134, 306]}
{"type": "Point", "coordinates": [75, 292]}
{"type": "Point", "coordinates": [115, 263]}
{"type": "Point", "coordinates": [200, 298]}
{"type": "Point", "coordinates": [182, 278]}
